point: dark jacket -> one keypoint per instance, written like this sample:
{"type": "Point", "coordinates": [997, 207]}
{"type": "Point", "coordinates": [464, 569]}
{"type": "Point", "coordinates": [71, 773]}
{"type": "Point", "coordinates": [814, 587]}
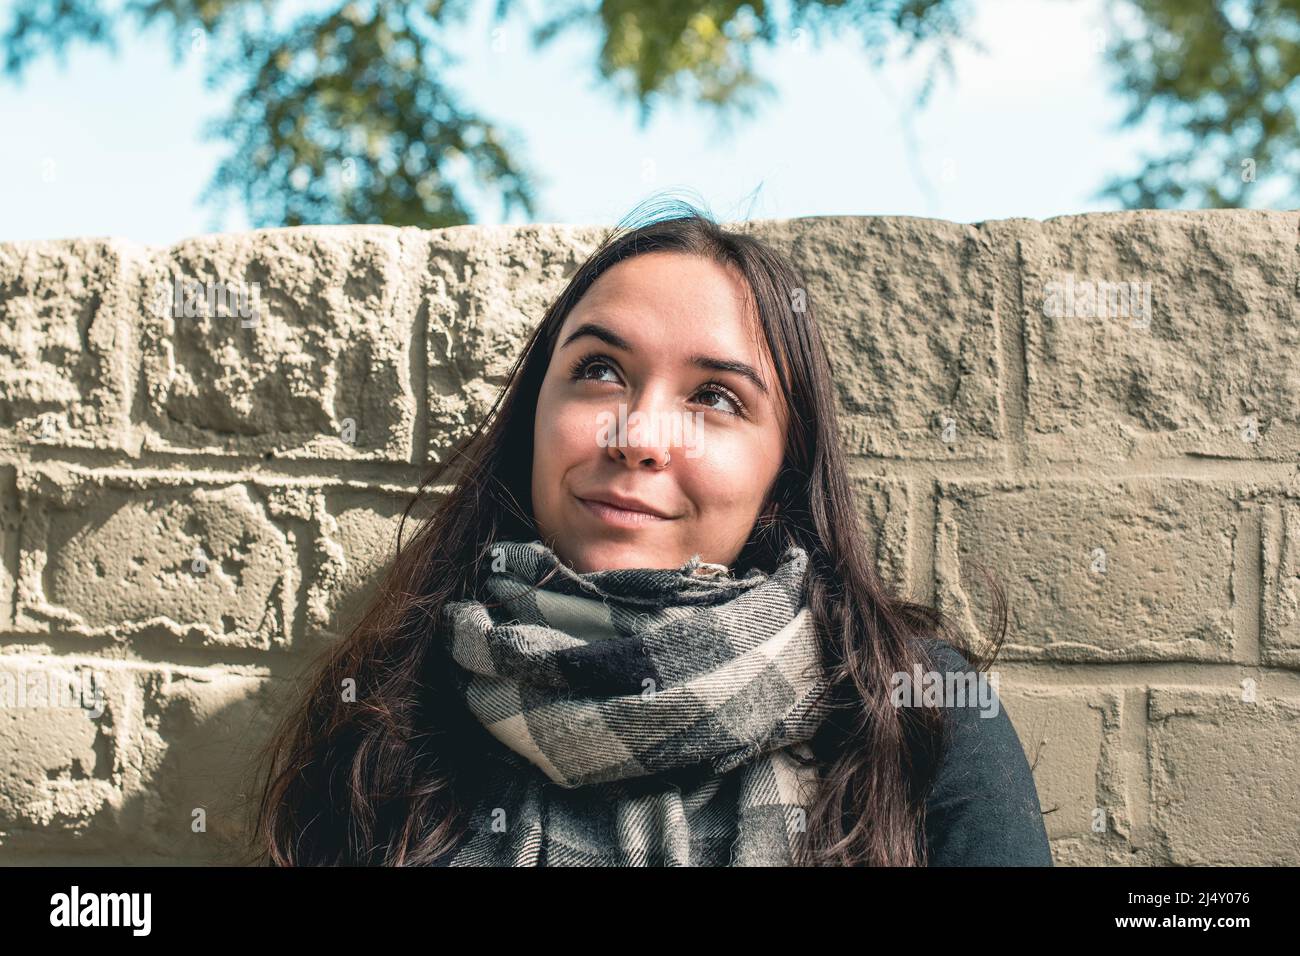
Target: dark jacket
{"type": "Point", "coordinates": [983, 809]}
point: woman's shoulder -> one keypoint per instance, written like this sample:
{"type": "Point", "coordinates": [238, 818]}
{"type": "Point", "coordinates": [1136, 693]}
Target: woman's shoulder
{"type": "Point", "coordinates": [942, 651]}
{"type": "Point", "coordinates": [983, 808]}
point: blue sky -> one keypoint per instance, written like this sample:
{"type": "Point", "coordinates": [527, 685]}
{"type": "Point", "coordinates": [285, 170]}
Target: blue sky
{"type": "Point", "coordinates": [112, 145]}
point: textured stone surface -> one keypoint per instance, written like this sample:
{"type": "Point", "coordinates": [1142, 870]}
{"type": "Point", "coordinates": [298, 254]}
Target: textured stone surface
{"type": "Point", "coordinates": [117, 555]}
{"type": "Point", "coordinates": [488, 287]}
{"type": "Point", "coordinates": [885, 506]}
{"type": "Point", "coordinates": [330, 344]}
{"type": "Point", "coordinates": [1131, 485]}
{"type": "Point", "coordinates": [62, 766]}
{"type": "Point", "coordinates": [359, 537]}
{"type": "Point", "coordinates": [1281, 547]}
{"type": "Point", "coordinates": [1220, 349]}
{"type": "Point", "coordinates": [66, 369]}
{"type": "Point", "coordinates": [914, 349]}
{"type": "Point", "coordinates": [190, 799]}
{"type": "Point", "coordinates": [159, 775]}
{"type": "Point", "coordinates": [1068, 738]}
{"type": "Point", "coordinates": [1115, 586]}
{"type": "Point", "coordinates": [1218, 764]}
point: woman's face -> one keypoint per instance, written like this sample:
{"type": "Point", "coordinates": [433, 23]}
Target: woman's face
{"type": "Point", "coordinates": [650, 420]}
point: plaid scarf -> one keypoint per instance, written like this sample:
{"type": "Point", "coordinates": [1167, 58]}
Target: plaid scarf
{"type": "Point", "coordinates": [650, 717]}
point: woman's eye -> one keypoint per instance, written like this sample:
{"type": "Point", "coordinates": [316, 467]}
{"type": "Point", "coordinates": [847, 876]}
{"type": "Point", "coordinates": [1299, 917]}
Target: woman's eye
{"type": "Point", "coordinates": [582, 372]}
{"type": "Point", "coordinates": [726, 396]}
{"type": "Point", "coordinates": [585, 365]}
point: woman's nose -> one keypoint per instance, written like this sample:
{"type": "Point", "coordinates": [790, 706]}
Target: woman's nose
{"type": "Point", "coordinates": [656, 457]}
{"type": "Point", "coordinates": [644, 434]}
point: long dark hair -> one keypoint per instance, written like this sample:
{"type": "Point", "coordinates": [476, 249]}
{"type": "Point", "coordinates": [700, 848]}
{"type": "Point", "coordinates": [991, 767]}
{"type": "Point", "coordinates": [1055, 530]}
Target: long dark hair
{"type": "Point", "coordinates": [390, 776]}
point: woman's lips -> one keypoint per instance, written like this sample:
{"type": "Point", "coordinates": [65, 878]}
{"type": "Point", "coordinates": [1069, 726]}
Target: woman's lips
{"type": "Point", "coordinates": [620, 517]}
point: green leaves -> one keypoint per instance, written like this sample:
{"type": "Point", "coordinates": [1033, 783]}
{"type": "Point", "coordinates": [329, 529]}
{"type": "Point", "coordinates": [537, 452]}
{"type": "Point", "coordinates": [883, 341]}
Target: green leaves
{"type": "Point", "coordinates": [342, 115]}
{"type": "Point", "coordinates": [1221, 73]}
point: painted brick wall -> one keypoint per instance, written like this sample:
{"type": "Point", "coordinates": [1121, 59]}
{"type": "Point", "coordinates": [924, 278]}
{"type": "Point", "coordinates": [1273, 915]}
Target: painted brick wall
{"type": "Point", "coordinates": [191, 505]}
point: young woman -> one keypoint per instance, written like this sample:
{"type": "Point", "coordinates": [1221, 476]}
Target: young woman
{"type": "Point", "coordinates": [643, 627]}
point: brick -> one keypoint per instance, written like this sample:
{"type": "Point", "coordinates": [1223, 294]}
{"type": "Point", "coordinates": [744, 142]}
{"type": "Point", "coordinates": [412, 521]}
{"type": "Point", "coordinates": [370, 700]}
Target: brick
{"type": "Point", "coordinates": [914, 351]}
{"type": "Point", "coordinates": [1166, 546]}
{"type": "Point", "coordinates": [124, 787]}
{"type": "Point", "coordinates": [1280, 623]}
{"type": "Point", "coordinates": [886, 508]}
{"type": "Point", "coordinates": [488, 288]}
{"type": "Point", "coordinates": [61, 768]}
{"type": "Point", "coordinates": [9, 524]}
{"type": "Point", "coordinates": [332, 345]}
{"type": "Point", "coordinates": [115, 556]}
{"type": "Point", "coordinates": [356, 543]}
{"type": "Point", "coordinates": [194, 748]}
{"type": "Point", "coordinates": [1071, 740]}
{"type": "Point", "coordinates": [1224, 788]}
{"type": "Point", "coordinates": [67, 368]}
{"type": "Point", "coordinates": [1222, 286]}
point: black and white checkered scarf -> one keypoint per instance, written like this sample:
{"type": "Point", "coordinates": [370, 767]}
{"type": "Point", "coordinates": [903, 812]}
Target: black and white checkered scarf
{"type": "Point", "coordinates": [653, 717]}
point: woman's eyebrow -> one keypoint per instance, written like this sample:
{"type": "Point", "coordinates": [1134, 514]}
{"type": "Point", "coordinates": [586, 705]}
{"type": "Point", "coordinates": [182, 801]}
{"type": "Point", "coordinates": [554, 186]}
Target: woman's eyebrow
{"type": "Point", "coordinates": [702, 361]}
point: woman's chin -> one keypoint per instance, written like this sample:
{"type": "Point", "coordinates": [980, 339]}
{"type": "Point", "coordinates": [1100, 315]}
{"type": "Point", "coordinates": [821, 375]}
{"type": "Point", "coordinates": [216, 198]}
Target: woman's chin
{"type": "Point", "coordinates": [591, 556]}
